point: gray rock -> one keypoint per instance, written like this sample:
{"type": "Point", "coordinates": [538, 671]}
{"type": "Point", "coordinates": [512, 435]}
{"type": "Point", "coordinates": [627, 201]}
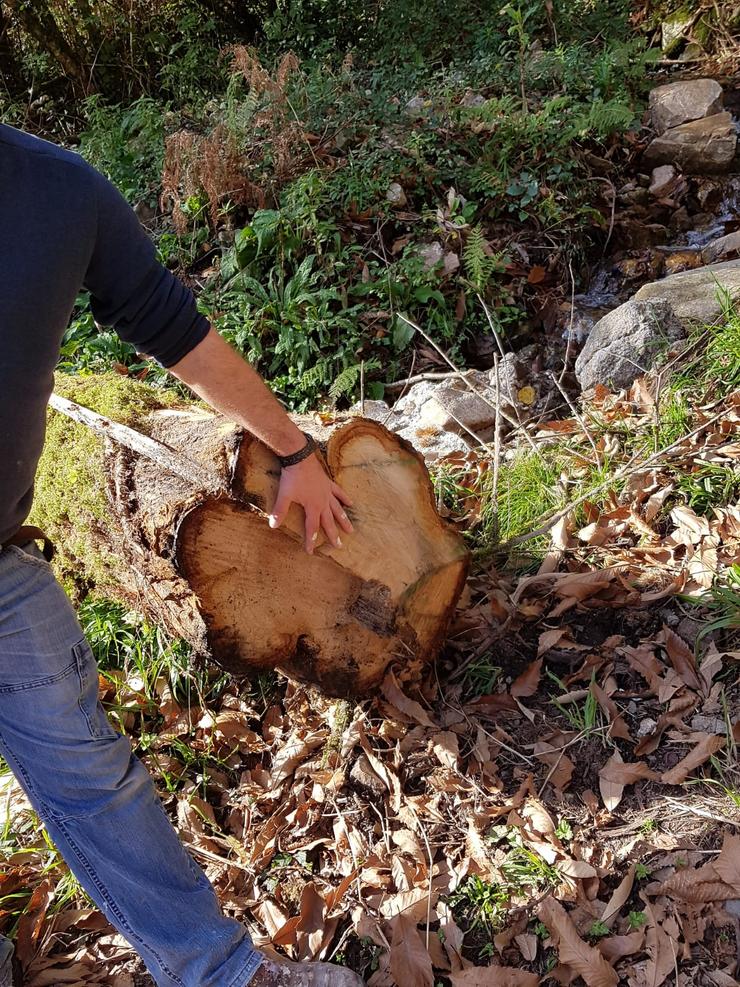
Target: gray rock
{"type": "Point", "coordinates": [674, 29]}
{"type": "Point", "coordinates": [681, 102]}
{"type": "Point", "coordinates": [416, 106]}
{"type": "Point", "coordinates": [723, 247]}
{"type": "Point", "coordinates": [377, 411]}
{"type": "Point", "coordinates": [701, 147]}
{"type": "Point", "coordinates": [626, 343]}
{"type": "Point", "coordinates": [471, 100]}
{"type": "Point", "coordinates": [695, 295]}
{"type": "Point", "coordinates": [662, 179]}
{"type": "Point", "coordinates": [450, 405]}
{"type": "Point", "coordinates": [396, 195]}
{"type": "Point", "coordinates": [708, 724]}
{"type": "Point", "coordinates": [646, 727]}
{"type": "Point", "coordinates": [433, 444]}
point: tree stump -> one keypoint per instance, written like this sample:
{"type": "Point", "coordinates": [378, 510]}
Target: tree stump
{"type": "Point", "coordinates": [185, 538]}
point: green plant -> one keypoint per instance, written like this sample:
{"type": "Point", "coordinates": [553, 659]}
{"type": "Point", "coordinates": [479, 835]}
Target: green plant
{"type": "Point", "coordinates": [587, 717]}
{"type": "Point", "coordinates": [481, 904]}
{"type": "Point", "coordinates": [636, 920]}
{"type": "Point", "coordinates": [598, 930]}
{"type": "Point", "coordinates": [126, 143]}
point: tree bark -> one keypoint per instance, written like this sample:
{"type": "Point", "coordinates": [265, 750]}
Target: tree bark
{"type": "Point", "coordinates": [187, 505]}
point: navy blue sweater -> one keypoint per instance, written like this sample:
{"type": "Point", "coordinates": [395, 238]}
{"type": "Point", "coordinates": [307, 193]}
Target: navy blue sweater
{"type": "Point", "coordinates": [64, 227]}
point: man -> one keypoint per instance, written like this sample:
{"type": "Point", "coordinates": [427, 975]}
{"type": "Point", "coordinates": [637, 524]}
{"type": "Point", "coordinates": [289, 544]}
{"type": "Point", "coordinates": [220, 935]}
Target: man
{"type": "Point", "coordinates": [64, 227]}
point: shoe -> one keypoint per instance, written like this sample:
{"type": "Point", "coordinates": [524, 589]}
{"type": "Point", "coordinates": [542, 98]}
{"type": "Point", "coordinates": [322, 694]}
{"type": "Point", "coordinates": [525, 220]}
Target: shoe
{"type": "Point", "coordinates": [281, 973]}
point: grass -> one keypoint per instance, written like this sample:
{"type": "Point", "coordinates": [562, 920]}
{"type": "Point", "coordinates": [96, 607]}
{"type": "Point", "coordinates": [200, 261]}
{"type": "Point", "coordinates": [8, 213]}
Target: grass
{"type": "Point", "coordinates": [584, 716]}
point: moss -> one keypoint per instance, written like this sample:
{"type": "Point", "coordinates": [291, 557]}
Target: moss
{"type": "Point", "coordinates": [71, 502]}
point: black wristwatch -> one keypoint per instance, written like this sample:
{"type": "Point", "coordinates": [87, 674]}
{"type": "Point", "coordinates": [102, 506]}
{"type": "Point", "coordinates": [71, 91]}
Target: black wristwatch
{"type": "Point", "coordinates": [297, 457]}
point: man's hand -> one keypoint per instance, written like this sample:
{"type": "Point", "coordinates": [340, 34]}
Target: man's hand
{"type": "Point", "coordinates": [322, 500]}
{"type": "Point", "coordinates": [226, 381]}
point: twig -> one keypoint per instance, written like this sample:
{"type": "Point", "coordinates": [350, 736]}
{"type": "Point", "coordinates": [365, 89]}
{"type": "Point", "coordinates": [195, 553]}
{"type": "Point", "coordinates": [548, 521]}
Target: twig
{"type": "Point", "coordinates": [702, 813]}
{"type": "Point", "coordinates": [495, 335]}
{"type": "Point", "coordinates": [399, 385]}
{"type": "Point", "coordinates": [496, 446]}
{"type": "Point", "coordinates": [578, 417]}
{"type": "Point", "coordinates": [569, 342]}
{"type": "Point", "coordinates": [464, 379]}
{"type": "Point", "coordinates": [173, 461]}
{"type": "Point", "coordinates": [601, 178]}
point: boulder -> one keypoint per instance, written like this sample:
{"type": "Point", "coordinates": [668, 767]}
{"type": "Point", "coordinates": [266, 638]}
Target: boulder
{"type": "Point", "coordinates": [723, 247]}
{"type": "Point", "coordinates": [703, 146]}
{"type": "Point", "coordinates": [681, 102]}
{"type": "Point", "coordinates": [626, 343]}
{"type": "Point", "coordinates": [695, 296]}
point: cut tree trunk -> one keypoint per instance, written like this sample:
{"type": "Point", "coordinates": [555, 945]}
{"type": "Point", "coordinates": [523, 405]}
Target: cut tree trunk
{"type": "Point", "coordinates": [187, 496]}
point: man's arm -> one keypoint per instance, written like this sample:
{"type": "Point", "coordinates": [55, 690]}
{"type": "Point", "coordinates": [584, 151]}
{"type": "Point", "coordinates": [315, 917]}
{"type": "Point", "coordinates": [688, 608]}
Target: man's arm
{"type": "Point", "coordinates": [228, 383]}
{"type": "Point", "coordinates": [150, 308]}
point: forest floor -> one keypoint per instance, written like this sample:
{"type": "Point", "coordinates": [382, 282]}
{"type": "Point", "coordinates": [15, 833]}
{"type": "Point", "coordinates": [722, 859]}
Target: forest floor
{"type": "Point", "coordinates": [558, 795]}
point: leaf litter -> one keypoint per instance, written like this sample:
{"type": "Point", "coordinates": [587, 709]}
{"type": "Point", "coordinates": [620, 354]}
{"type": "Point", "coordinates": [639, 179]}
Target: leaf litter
{"type": "Point", "coordinates": [438, 834]}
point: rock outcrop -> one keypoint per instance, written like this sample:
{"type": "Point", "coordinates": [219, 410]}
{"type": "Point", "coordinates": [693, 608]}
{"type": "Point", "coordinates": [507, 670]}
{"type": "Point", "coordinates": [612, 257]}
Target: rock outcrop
{"type": "Point", "coordinates": [627, 342]}
{"type": "Point", "coordinates": [697, 296]}
{"type": "Point", "coordinates": [703, 146]}
{"type": "Point", "coordinates": [681, 102]}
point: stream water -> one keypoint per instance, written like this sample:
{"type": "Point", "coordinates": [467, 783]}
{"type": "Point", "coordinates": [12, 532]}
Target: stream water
{"type": "Point", "coordinates": [713, 211]}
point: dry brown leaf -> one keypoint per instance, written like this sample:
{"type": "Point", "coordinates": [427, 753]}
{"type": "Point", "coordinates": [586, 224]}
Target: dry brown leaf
{"type": "Point", "coordinates": [709, 744]}
{"type": "Point", "coordinates": [413, 710]}
{"type": "Point", "coordinates": [447, 748]}
{"type": "Point", "coordinates": [411, 964]}
{"type": "Point", "coordinates": [617, 726]}
{"type": "Point", "coordinates": [527, 683]}
{"type": "Point", "coordinates": [616, 947]}
{"type": "Point", "coordinates": [494, 976]}
{"type": "Point", "coordinates": [616, 774]}
{"type": "Point", "coordinates": [561, 766]}
{"type": "Point", "coordinates": [585, 960]}
{"type": "Point", "coordinates": [619, 898]}
{"type": "Point", "coordinates": [661, 952]}
{"type": "Point", "coordinates": [528, 944]}
{"type": "Point", "coordinates": [680, 656]}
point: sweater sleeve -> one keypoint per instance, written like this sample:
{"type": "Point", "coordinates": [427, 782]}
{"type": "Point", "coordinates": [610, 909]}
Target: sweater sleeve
{"type": "Point", "coordinates": [131, 291]}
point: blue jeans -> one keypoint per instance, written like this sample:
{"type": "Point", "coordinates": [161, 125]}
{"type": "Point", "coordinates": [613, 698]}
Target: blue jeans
{"type": "Point", "coordinates": [96, 799]}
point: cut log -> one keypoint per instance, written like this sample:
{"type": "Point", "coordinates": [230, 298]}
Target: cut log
{"type": "Point", "coordinates": [184, 538]}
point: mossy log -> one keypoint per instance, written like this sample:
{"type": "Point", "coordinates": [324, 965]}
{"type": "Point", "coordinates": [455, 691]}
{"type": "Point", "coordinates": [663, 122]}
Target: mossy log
{"type": "Point", "coordinates": [184, 538]}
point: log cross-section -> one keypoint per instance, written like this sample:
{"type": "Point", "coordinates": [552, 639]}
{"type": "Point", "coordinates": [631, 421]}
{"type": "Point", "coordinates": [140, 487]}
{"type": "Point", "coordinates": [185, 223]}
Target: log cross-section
{"type": "Point", "coordinates": [188, 494]}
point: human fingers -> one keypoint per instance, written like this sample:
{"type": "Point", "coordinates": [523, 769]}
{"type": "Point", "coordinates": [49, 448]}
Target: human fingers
{"type": "Point", "coordinates": [330, 528]}
{"type": "Point", "coordinates": [340, 515]}
{"type": "Point", "coordinates": [313, 522]}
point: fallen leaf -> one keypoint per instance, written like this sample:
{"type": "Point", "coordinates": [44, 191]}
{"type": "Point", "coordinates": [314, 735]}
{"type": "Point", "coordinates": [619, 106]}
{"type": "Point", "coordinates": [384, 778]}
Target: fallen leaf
{"type": "Point", "coordinates": [527, 683]}
{"type": "Point", "coordinates": [616, 775]}
{"type": "Point", "coordinates": [411, 964]}
{"type": "Point", "coordinates": [415, 711]}
{"type": "Point", "coordinates": [494, 976]}
{"type": "Point", "coordinates": [709, 744]}
{"type": "Point", "coordinates": [585, 960]}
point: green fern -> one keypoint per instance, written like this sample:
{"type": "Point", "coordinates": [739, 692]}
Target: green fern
{"type": "Point", "coordinates": [604, 118]}
{"type": "Point", "coordinates": [480, 264]}
{"type": "Point", "coordinates": [314, 377]}
{"type": "Point", "coordinates": [348, 379]}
